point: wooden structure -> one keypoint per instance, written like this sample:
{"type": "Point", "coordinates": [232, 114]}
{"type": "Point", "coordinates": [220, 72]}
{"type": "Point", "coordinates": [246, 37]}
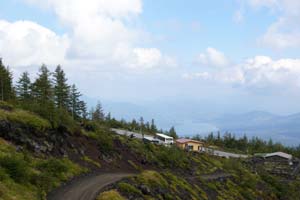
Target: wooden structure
{"type": "Point", "coordinates": [190, 145]}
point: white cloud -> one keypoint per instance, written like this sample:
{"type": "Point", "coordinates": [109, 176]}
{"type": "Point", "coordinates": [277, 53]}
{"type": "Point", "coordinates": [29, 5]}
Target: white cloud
{"type": "Point", "coordinates": [281, 35]}
{"type": "Point", "coordinates": [27, 43]}
{"type": "Point", "coordinates": [285, 31]}
{"type": "Point", "coordinates": [197, 75]}
{"type": "Point", "coordinates": [263, 71]}
{"type": "Point", "coordinates": [257, 72]}
{"type": "Point", "coordinates": [147, 58]}
{"type": "Point", "coordinates": [74, 10]}
{"type": "Point", "coordinates": [263, 3]}
{"type": "Point", "coordinates": [212, 57]}
{"type": "Point", "coordinates": [100, 34]}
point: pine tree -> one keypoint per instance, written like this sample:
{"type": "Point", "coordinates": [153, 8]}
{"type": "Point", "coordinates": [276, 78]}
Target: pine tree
{"type": "Point", "coordinates": [142, 126]}
{"type": "Point", "coordinates": [98, 114]}
{"type": "Point", "coordinates": [83, 110]}
{"type": "Point", "coordinates": [90, 113]}
{"type": "Point", "coordinates": [61, 89]}
{"type": "Point", "coordinates": [108, 117]}
{"type": "Point", "coordinates": [75, 107]}
{"type": "Point", "coordinates": [42, 89]}
{"type": "Point", "coordinates": [23, 88]}
{"type": "Point", "coordinates": [142, 122]}
{"type": "Point", "coordinates": [6, 87]}
{"type": "Point", "coordinates": [147, 126]}
{"type": "Point", "coordinates": [153, 126]}
{"type": "Point", "coordinates": [42, 93]}
{"type": "Point", "coordinates": [134, 125]}
{"type": "Point", "coordinates": [173, 133]}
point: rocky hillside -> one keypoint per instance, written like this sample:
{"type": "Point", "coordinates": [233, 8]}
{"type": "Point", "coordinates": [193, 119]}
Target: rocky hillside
{"type": "Point", "coordinates": [35, 158]}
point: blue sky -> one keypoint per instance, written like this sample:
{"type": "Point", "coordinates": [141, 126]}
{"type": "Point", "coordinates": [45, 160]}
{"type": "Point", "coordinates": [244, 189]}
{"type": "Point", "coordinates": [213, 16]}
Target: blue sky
{"type": "Point", "coordinates": [241, 54]}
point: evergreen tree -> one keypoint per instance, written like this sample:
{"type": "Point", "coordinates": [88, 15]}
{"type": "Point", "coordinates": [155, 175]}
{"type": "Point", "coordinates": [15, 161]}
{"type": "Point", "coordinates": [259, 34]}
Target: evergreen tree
{"type": "Point", "coordinates": [83, 110]}
{"type": "Point", "coordinates": [142, 126]}
{"type": "Point", "coordinates": [90, 113]}
{"type": "Point", "coordinates": [6, 87]}
{"type": "Point", "coordinates": [153, 126]}
{"type": "Point", "coordinates": [23, 88]}
{"type": "Point", "coordinates": [108, 117]}
{"type": "Point", "coordinates": [42, 93]}
{"type": "Point", "coordinates": [173, 133]}
{"type": "Point", "coordinates": [61, 89]}
{"type": "Point", "coordinates": [75, 106]}
{"type": "Point", "coordinates": [42, 89]}
{"type": "Point", "coordinates": [134, 125]}
{"type": "Point", "coordinates": [98, 114]}
{"type": "Point", "coordinates": [147, 126]}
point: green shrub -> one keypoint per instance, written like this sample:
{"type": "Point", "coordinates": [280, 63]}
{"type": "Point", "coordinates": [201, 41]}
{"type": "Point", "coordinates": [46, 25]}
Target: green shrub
{"type": "Point", "coordinates": [89, 160]}
{"type": "Point", "coordinates": [110, 195]}
{"type": "Point", "coordinates": [6, 106]}
{"type": "Point", "coordinates": [129, 189]}
{"type": "Point", "coordinates": [152, 178]}
{"type": "Point", "coordinates": [172, 157]}
{"type": "Point", "coordinates": [15, 167]}
{"type": "Point", "coordinates": [25, 118]}
{"type": "Point", "coordinates": [53, 171]}
{"type": "Point", "coordinates": [3, 174]}
{"type": "Point", "coordinates": [66, 121]}
{"type": "Point", "coordinates": [53, 167]}
{"type": "Point", "coordinates": [91, 126]}
{"type": "Point", "coordinates": [104, 139]}
{"type": "Point", "coordinates": [44, 182]}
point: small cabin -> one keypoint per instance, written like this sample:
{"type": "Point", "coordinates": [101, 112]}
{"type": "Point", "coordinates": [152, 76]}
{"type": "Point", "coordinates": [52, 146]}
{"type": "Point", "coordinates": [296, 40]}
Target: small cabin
{"type": "Point", "coordinates": [279, 157]}
{"type": "Point", "coordinates": [190, 145]}
{"type": "Point", "coordinates": [164, 139]}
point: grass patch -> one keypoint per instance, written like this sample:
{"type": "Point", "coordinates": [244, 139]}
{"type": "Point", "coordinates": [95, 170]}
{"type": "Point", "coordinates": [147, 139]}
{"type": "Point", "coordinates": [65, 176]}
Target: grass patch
{"type": "Point", "coordinates": [129, 189]}
{"type": "Point", "coordinates": [152, 179]}
{"type": "Point", "coordinates": [25, 118]}
{"type": "Point", "coordinates": [136, 167]}
{"type": "Point", "coordinates": [6, 106]}
{"type": "Point", "coordinates": [23, 177]}
{"type": "Point", "coordinates": [88, 160]}
{"type": "Point", "coordinates": [110, 195]}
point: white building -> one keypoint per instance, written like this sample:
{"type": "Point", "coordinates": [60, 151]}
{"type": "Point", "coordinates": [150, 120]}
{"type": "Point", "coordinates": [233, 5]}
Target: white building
{"type": "Point", "coordinates": [164, 139]}
{"type": "Point", "coordinates": [279, 154]}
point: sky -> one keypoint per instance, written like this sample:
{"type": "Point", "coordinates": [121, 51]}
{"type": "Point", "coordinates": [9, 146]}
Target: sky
{"type": "Point", "coordinates": [236, 55]}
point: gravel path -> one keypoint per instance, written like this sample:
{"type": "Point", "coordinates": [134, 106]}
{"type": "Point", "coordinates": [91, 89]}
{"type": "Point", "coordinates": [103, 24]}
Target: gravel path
{"type": "Point", "coordinates": [86, 188]}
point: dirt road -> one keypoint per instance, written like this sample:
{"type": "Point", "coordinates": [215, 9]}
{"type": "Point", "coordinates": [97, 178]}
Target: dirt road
{"type": "Point", "coordinates": [86, 188]}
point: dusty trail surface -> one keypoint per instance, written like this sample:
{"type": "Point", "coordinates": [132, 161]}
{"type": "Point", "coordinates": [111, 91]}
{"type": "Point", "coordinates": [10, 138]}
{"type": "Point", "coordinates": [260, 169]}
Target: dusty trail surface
{"type": "Point", "coordinates": [86, 188]}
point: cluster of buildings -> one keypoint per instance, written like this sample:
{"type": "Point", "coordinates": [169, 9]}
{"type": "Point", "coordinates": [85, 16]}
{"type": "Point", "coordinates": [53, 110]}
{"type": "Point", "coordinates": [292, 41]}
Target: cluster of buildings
{"type": "Point", "coordinates": [162, 139]}
{"type": "Point", "coordinates": [198, 146]}
{"type": "Point", "coordinates": [278, 163]}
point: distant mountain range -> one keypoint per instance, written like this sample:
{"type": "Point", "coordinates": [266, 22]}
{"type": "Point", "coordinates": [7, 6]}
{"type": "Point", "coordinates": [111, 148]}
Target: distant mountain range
{"type": "Point", "coordinates": [195, 118]}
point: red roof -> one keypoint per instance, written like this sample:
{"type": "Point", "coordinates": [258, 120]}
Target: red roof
{"type": "Point", "coordinates": [184, 140]}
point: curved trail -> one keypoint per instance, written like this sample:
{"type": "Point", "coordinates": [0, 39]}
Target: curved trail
{"type": "Point", "coordinates": [86, 188]}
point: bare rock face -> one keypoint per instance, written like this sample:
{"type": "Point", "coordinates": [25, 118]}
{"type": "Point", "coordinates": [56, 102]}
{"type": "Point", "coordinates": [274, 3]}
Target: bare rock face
{"type": "Point", "coordinates": [47, 142]}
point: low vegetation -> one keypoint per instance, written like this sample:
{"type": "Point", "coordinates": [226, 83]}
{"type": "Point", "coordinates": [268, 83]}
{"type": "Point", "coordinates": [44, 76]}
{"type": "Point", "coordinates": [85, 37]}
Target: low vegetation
{"type": "Point", "coordinates": [25, 119]}
{"type": "Point", "coordinates": [110, 195]}
{"type": "Point", "coordinates": [239, 183]}
{"type": "Point", "coordinates": [25, 177]}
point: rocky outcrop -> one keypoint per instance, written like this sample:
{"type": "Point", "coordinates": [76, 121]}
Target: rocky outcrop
{"type": "Point", "coordinates": [31, 139]}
